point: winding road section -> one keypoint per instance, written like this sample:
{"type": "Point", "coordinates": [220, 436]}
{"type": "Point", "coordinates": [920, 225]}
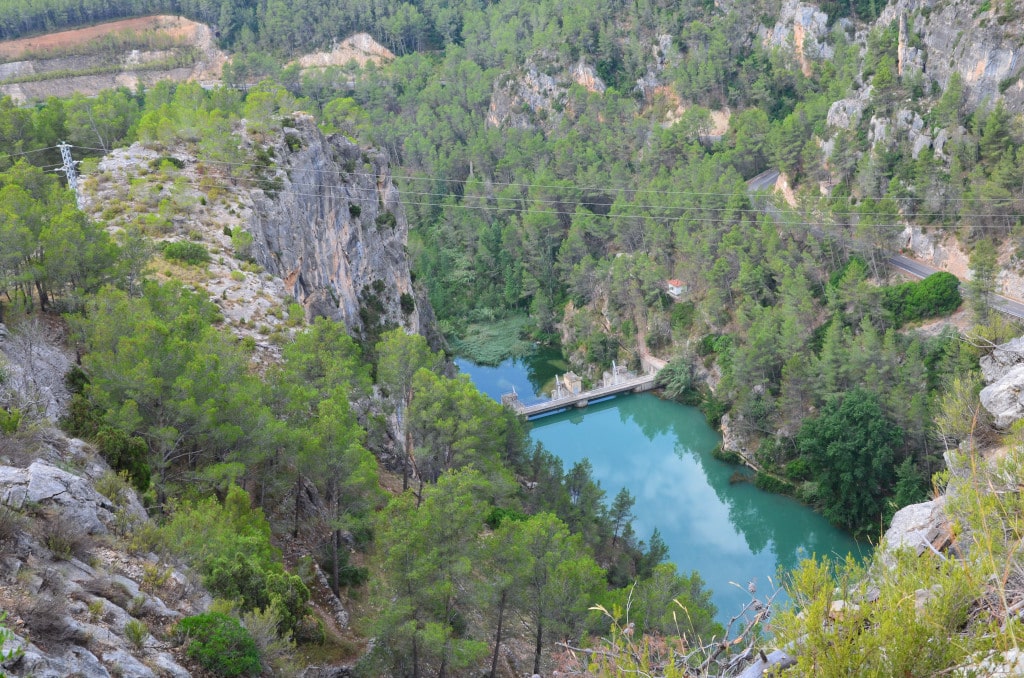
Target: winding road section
{"type": "Point", "coordinates": [767, 180]}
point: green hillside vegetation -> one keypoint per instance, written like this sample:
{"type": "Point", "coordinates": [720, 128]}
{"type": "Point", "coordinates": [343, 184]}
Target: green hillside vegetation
{"type": "Point", "coordinates": [171, 399]}
{"type": "Point", "coordinates": [574, 220]}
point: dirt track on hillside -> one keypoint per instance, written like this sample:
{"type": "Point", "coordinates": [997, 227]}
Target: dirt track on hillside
{"type": "Point", "coordinates": [172, 25]}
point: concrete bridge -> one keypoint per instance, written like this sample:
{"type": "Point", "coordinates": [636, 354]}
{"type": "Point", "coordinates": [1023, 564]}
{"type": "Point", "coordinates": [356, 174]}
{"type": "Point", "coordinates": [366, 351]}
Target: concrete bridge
{"type": "Point", "coordinates": [620, 384]}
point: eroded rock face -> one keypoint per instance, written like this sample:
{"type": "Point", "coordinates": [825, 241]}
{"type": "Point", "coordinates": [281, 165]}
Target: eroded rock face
{"type": "Point", "coordinates": [584, 75]}
{"type": "Point", "coordinates": [46, 485]}
{"type": "Point", "coordinates": [916, 526]}
{"type": "Point", "coordinates": [519, 99]}
{"type": "Point", "coordinates": [68, 612]}
{"type": "Point", "coordinates": [846, 113]}
{"type": "Point", "coordinates": [1003, 371]}
{"type": "Point", "coordinates": [982, 46]}
{"type": "Point", "coordinates": [335, 232]}
{"type": "Point", "coordinates": [803, 28]}
{"type": "Point", "coordinates": [1002, 360]}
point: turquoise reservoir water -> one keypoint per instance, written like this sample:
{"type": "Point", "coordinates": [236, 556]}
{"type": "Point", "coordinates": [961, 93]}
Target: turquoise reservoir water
{"type": "Point", "coordinates": [661, 452]}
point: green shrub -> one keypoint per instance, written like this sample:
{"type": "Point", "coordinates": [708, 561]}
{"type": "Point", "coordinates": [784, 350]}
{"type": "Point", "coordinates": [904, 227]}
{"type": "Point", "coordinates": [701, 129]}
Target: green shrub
{"type": "Point", "coordinates": [936, 295]}
{"type": "Point", "coordinates": [713, 409]}
{"type": "Point", "coordinates": [242, 244]}
{"type": "Point", "coordinates": [9, 421]}
{"type": "Point", "coordinates": [728, 456]}
{"type": "Point", "coordinates": [154, 577]}
{"type": "Point", "coordinates": [772, 484]}
{"type": "Point", "coordinates": [125, 453]}
{"type": "Point", "coordinates": [386, 220]}
{"type": "Point", "coordinates": [192, 253]}
{"type": "Point", "coordinates": [230, 545]}
{"type": "Point", "coordinates": [799, 469]}
{"type": "Point", "coordinates": [355, 210]}
{"type": "Point", "coordinates": [168, 162]}
{"type": "Point", "coordinates": [497, 515]}
{"type": "Point", "coordinates": [136, 632]}
{"type": "Point", "coordinates": [113, 486]}
{"type": "Point", "coordinates": [220, 644]}
{"type": "Point", "coordinates": [296, 314]}
{"type": "Point", "coordinates": [714, 343]}
{"type": "Point", "coordinates": [407, 303]}
{"type": "Point", "coordinates": [310, 630]}
{"type": "Point", "coordinates": [12, 523]}
{"type": "Point", "coordinates": [63, 540]}
{"type": "Point", "coordinates": [682, 316]}
{"type": "Point", "coordinates": [76, 379]}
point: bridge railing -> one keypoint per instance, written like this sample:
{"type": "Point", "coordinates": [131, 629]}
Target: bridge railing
{"type": "Point", "coordinates": [626, 384]}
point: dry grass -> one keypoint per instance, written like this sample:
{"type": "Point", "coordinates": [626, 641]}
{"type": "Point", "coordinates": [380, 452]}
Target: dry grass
{"type": "Point", "coordinates": [114, 591]}
{"type": "Point", "coordinates": [45, 616]}
{"type": "Point", "coordinates": [64, 539]}
{"type": "Point", "coordinates": [12, 524]}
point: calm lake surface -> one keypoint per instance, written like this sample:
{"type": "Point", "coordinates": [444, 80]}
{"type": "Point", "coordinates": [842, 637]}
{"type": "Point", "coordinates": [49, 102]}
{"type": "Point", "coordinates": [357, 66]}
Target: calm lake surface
{"type": "Point", "coordinates": [661, 452]}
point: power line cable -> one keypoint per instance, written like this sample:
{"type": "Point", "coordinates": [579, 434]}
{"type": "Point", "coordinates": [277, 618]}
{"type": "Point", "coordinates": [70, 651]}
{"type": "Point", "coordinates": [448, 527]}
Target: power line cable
{"type": "Point", "coordinates": [205, 183]}
{"type": "Point", "coordinates": [563, 187]}
{"type": "Point", "coordinates": [231, 183]}
{"type": "Point", "coordinates": [23, 153]}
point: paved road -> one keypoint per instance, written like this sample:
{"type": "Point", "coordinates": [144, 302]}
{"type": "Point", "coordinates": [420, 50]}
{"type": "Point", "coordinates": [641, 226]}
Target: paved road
{"type": "Point", "coordinates": [915, 268]}
{"type": "Point", "coordinates": [766, 180]}
{"type": "Point", "coordinates": [763, 181]}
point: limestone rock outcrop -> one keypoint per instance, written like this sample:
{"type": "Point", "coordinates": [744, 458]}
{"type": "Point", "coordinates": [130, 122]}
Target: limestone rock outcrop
{"type": "Point", "coordinates": [803, 28]}
{"type": "Point", "coordinates": [974, 38]}
{"type": "Point", "coordinates": [584, 75]}
{"type": "Point", "coordinates": [916, 526]}
{"type": "Point", "coordinates": [519, 99]}
{"type": "Point", "coordinates": [1002, 360]}
{"type": "Point", "coordinates": [846, 113]}
{"type": "Point", "coordinates": [72, 591]}
{"type": "Point", "coordinates": [335, 231]}
{"type": "Point", "coordinates": [42, 484]}
{"type": "Point", "coordinates": [1003, 371]}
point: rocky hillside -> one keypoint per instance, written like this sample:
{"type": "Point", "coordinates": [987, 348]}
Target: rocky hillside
{"type": "Point", "coordinates": [313, 227]}
{"type": "Point", "coordinates": [335, 231]}
{"type": "Point", "coordinates": [978, 39]}
{"type": "Point", "coordinates": [81, 593]}
{"type": "Point", "coordinates": [80, 598]}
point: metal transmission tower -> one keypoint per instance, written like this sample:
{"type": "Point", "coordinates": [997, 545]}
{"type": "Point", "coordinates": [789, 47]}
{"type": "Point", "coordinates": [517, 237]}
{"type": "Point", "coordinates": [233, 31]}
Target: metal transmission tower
{"type": "Point", "coordinates": [69, 170]}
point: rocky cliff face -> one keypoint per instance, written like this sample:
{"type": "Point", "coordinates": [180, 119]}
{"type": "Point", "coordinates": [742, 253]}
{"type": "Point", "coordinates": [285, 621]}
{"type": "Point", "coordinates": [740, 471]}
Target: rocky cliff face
{"type": "Point", "coordinates": [335, 232]}
{"type": "Point", "coordinates": [979, 39]}
{"type": "Point", "coordinates": [1003, 371]}
{"type": "Point", "coordinates": [803, 27]}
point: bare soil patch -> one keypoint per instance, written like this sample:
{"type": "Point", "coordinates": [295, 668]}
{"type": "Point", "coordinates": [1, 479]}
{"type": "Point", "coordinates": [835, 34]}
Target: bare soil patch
{"type": "Point", "coordinates": [360, 48]}
{"type": "Point", "coordinates": [172, 25]}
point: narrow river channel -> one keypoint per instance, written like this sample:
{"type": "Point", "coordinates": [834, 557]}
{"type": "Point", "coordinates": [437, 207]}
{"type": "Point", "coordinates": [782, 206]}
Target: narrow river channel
{"type": "Point", "coordinates": [730, 532]}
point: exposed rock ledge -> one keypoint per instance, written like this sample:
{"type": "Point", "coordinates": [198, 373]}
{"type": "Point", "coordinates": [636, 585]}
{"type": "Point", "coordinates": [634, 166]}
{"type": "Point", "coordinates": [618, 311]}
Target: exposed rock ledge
{"type": "Point", "coordinates": [916, 526]}
{"type": "Point", "coordinates": [1003, 371]}
{"type": "Point", "coordinates": [69, 611]}
{"type": "Point", "coordinates": [336, 232]}
{"type": "Point", "coordinates": [43, 484]}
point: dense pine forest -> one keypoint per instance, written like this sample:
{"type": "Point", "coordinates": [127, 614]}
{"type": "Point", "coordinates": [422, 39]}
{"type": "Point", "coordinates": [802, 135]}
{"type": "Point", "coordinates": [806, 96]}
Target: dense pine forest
{"type": "Point", "coordinates": [557, 163]}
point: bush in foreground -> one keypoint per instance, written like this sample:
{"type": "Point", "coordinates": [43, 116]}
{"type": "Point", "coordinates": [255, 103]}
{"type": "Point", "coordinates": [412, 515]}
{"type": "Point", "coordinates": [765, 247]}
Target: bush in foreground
{"type": "Point", "coordinates": [221, 644]}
